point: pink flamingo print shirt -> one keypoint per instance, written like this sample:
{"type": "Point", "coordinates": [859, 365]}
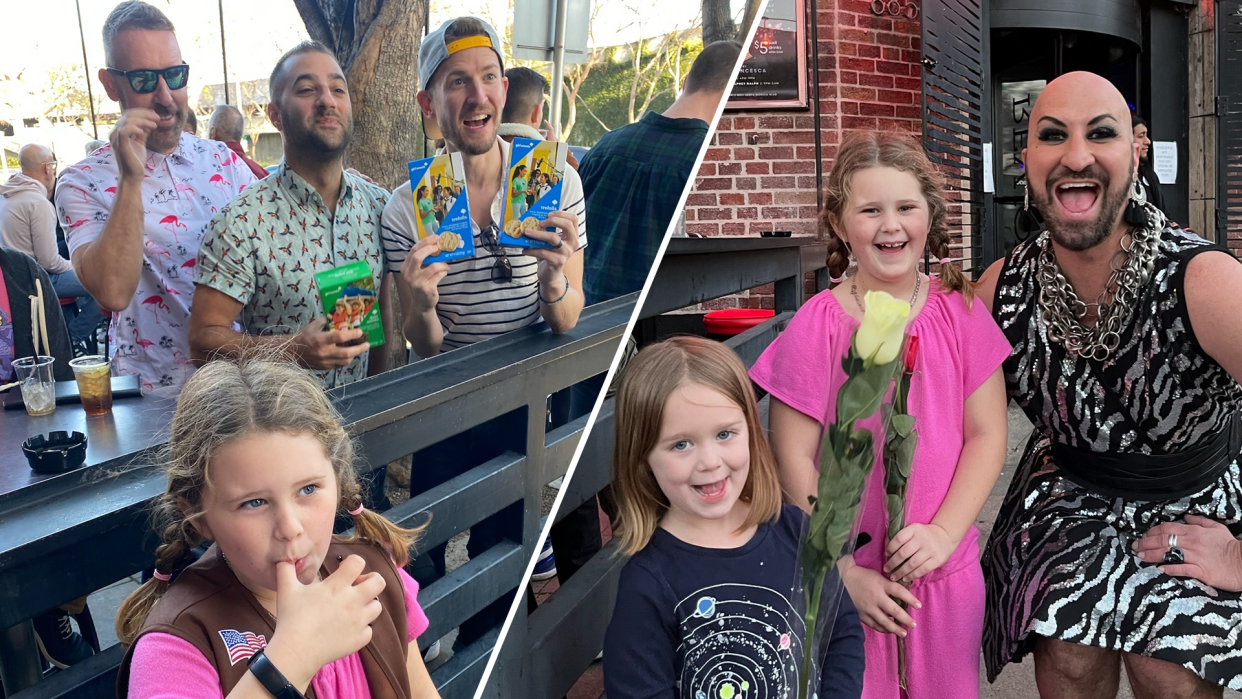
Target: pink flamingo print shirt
{"type": "Point", "coordinates": [181, 192]}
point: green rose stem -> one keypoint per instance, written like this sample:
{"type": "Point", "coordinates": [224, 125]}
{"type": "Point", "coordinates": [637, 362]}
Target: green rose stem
{"type": "Point", "coordinates": [847, 455]}
{"type": "Point", "coordinates": [900, 442]}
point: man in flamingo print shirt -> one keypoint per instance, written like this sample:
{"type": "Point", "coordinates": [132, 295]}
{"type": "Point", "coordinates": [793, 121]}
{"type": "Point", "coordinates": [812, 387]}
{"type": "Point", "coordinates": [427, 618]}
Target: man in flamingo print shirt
{"type": "Point", "coordinates": [134, 211]}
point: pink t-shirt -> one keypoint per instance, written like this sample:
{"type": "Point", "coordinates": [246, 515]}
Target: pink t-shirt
{"type": "Point", "coordinates": [167, 667]}
{"type": "Point", "coordinates": [958, 350]}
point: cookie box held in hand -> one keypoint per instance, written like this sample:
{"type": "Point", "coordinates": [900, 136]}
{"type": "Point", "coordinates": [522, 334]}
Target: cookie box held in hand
{"type": "Point", "coordinates": [532, 189]}
{"type": "Point", "coordinates": [438, 185]}
{"type": "Point", "coordinates": [350, 300]}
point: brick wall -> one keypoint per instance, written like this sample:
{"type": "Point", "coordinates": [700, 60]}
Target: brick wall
{"type": "Point", "coordinates": [759, 173]}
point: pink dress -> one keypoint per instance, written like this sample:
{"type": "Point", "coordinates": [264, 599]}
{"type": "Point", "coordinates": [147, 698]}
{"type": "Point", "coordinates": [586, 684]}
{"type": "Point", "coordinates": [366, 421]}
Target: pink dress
{"type": "Point", "coordinates": [958, 350]}
{"type": "Point", "coordinates": [167, 667]}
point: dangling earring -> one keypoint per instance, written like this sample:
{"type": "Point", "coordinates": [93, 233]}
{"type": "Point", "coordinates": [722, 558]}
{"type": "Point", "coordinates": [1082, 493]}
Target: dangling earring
{"type": "Point", "coordinates": [1136, 208]}
{"type": "Point", "coordinates": [1026, 196]}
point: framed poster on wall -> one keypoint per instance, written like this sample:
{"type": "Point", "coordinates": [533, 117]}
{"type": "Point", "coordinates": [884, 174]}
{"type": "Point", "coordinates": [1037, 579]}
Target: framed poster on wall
{"type": "Point", "coordinates": [773, 73]}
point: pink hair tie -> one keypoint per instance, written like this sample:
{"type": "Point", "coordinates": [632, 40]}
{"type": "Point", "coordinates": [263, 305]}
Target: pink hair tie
{"type": "Point", "coordinates": [162, 576]}
{"type": "Point", "coordinates": [945, 260]}
{"type": "Point", "coordinates": [357, 511]}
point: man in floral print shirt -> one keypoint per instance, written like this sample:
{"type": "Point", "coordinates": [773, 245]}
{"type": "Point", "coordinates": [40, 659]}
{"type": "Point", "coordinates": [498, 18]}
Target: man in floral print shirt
{"type": "Point", "coordinates": [260, 254]}
{"type": "Point", "coordinates": [134, 211]}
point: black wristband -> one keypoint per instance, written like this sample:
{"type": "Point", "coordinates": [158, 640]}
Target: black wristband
{"type": "Point", "coordinates": [271, 678]}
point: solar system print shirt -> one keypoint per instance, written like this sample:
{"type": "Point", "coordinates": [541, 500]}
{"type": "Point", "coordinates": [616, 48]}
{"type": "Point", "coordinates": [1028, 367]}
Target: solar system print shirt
{"type": "Point", "coordinates": [699, 623]}
{"type": "Point", "coordinates": [181, 191]}
{"type": "Point", "coordinates": [266, 246]}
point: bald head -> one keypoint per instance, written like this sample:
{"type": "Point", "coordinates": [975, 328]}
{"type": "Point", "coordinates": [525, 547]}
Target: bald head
{"type": "Point", "coordinates": [38, 163]}
{"type": "Point", "coordinates": [1080, 159]}
{"type": "Point", "coordinates": [226, 124]}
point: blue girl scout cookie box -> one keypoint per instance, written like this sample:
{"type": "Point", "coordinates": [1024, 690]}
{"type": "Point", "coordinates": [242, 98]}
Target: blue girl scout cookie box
{"type": "Point", "coordinates": [532, 189]}
{"type": "Point", "coordinates": [438, 185]}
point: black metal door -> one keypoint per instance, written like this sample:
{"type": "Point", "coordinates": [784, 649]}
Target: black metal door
{"type": "Point", "coordinates": [953, 66]}
{"type": "Point", "coordinates": [1229, 128]}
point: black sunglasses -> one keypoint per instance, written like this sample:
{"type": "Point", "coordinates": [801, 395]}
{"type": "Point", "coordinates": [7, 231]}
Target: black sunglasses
{"type": "Point", "coordinates": [502, 271]}
{"type": "Point", "coordinates": [145, 81]}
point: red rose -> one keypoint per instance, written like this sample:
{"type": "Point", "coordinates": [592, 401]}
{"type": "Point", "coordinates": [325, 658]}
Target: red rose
{"type": "Point", "coordinates": [912, 352]}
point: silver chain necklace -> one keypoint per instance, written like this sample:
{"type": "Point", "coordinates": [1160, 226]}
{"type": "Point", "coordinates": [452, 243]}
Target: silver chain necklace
{"type": "Point", "coordinates": [918, 282]}
{"type": "Point", "coordinates": [1062, 311]}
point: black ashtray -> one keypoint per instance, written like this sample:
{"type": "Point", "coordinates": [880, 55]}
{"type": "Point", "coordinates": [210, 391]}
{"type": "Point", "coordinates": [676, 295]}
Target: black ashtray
{"type": "Point", "coordinates": [56, 453]}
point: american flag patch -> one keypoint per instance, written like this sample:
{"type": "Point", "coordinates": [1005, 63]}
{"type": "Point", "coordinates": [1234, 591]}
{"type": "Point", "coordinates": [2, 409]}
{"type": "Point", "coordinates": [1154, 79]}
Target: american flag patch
{"type": "Point", "coordinates": [241, 644]}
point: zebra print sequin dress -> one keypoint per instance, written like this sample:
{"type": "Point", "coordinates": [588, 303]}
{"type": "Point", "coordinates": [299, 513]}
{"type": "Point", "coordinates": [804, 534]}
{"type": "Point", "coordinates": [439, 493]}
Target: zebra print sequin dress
{"type": "Point", "coordinates": [1058, 563]}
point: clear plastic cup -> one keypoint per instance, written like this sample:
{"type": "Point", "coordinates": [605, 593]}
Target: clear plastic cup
{"type": "Point", "coordinates": [38, 384]}
{"type": "Point", "coordinates": [94, 375]}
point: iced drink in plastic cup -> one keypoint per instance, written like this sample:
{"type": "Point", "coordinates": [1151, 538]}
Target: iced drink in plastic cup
{"type": "Point", "coordinates": [94, 375]}
{"type": "Point", "coordinates": [38, 384]}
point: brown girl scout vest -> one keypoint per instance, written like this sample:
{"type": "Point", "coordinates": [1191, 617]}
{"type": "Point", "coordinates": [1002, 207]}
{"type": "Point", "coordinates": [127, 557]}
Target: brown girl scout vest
{"type": "Point", "coordinates": [207, 606]}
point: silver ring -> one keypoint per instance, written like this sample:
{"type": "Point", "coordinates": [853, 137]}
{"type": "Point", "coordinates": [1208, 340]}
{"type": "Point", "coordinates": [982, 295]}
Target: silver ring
{"type": "Point", "coordinates": [1172, 541]}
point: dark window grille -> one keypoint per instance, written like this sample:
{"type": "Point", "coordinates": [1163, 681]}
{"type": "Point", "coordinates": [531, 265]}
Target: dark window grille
{"type": "Point", "coordinates": [953, 68]}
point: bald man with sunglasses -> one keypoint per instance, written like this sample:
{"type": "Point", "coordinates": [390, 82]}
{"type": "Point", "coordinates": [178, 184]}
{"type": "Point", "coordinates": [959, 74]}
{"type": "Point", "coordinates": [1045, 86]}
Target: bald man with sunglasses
{"type": "Point", "coordinates": [134, 211]}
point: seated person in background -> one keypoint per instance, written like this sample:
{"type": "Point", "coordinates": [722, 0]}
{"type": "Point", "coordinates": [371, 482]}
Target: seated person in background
{"type": "Point", "coordinates": [28, 224]}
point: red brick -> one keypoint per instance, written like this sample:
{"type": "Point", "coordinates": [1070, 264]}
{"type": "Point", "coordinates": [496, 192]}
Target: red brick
{"type": "Point", "coordinates": [850, 49]}
{"type": "Point", "coordinates": [867, 50]}
{"type": "Point", "coordinates": [911, 55]}
{"type": "Point", "coordinates": [866, 65]}
{"type": "Point", "coordinates": [776, 153]}
{"type": "Point", "coordinates": [862, 94]}
{"type": "Point", "coordinates": [758, 167]}
{"type": "Point", "coordinates": [725, 123]}
{"type": "Point", "coordinates": [775, 182]}
{"type": "Point", "coordinates": [793, 167]}
{"type": "Point", "coordinates": [872, 22]}
{"type": "Point", "coordinates": [731, 199]}
{"type": "Point", "coordinates": [741, 123]}
{"type": "Point", "coordinates": [873, 80]}
{"type": "Point", "coordinates": [848, 108]}
{"type": "Point", "coordinates": [760, 197]}
{"type": "Point", "coordinates": [914, 84]}
{"type": "Point", "coordinates": [776, 122]}
{"type": "Point", "coordinates": [807, 211]}
{"type": "Point", "coordinates": [798, 197]}
{"type": "Point", "coordinates": [858, 36]}
{"type": "Point", "coordinates": [777, 212]}
{"type": "Point", "coordinates": [715, 214]}
{"type": "Point", "coordinates": [785, 137]}
{"type": "Point", "coordinates": [891, 54]}
{"type": "Point", "coordinates": [755, 138]}
{"type": "Point", "coordinates": [879, 110]}
{"type": "Point", "coordinates": [707, 170]}
{"type": "Point", "coordinates": [853, 122]}
{"type": "Point", "coordinates": [703, 228]}
{"type": "Point", "coordinates": [733, 229]}
{"type": "Point", "coordinates": [744, 153]}
{"type": "Point", "coordinates": [764, 290]}
{"type": "Point", "coordinates": [807, 182]}
{"type": "Point", "coordinates": [728, 138]}
{"type": "Point", "coordinates": [910, 112]}
{"type": "Point", "coordinates": [901, 41]}
{"type": "Point", "coordinates": [892, 67]}
{"type": "Point", "coordinates": [896, 97]}
{"type": "Point", "coordinates": [907, 27]}
{"type": "Point", "coordinates": [849, 77]}
{"type": "Point", "coordinates": [710, 183]}
{"type": "Point", "coordinates": [748, 212]}
{"type": "Point", "coordinates": [805, 152]}
{"type": "Point", "coordinates": [806, 122]}
{"type": "Point", "coordinates": [746, 183]}
{"type": "Point", "coordinates": [717, 154]}
{"type": "Point", "coordinates": [729, 169]}
{"type": "Point", "coordinates": [697, 199]}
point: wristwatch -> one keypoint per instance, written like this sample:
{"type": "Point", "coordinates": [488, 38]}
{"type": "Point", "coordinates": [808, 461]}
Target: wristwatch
{"type": "Point", "coordinates": [271, 678]}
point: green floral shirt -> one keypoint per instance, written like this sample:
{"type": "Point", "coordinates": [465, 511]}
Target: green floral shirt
{"type": "Point", "coordinates": [264, 248]}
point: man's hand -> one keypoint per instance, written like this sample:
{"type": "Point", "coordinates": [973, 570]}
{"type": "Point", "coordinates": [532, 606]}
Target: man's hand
{"type": "Point", "coordinates": [359, 174]}
{"type": "Point", "coordinates": [564, 244]}
{"type": "Point", "coordinates": [319, 348]}
{"type": "Point", "coordinates": [1211, 554]}
{"type": "Point", "coordinates": [129, 142]}
{"type": "Point", "coordinates": [424, 280]}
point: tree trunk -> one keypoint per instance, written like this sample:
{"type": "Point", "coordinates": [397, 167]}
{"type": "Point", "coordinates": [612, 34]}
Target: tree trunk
{"type": "Point", "coordinates": [717, 22]}
{"type": "Point", "coordinates": [753, 8]}
{"type": "Point", "coordinates": [376, 42]}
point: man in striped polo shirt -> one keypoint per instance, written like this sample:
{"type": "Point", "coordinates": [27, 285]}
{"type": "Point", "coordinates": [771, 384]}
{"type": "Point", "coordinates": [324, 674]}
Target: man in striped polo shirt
{"type": "Point", "coordinates": [501, 289]}
{"type": "Point", "coordinates": [447, 306]}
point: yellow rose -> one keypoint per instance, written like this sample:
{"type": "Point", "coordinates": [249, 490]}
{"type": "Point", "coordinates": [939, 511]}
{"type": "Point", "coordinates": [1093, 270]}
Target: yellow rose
{"type": "Point", "coordinates": [883, 328]}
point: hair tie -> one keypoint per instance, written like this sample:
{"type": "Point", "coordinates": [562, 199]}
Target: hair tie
{"type": "Point", "coordinates": [161, 576]}
{"type": "Point", "coordinates": [357, 511]}
{"type": "Point", "coordinates": [836, 280]}
{"type": "Point", "coordinates": [945, 261]}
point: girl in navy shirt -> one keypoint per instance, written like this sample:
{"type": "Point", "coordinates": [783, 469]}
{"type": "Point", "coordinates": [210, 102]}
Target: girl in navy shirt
{"type": "Point", "coordinates": [703, 608]}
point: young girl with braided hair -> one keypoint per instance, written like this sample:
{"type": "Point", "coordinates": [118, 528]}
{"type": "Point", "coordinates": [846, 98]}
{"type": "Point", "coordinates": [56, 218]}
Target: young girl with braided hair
{"type": "Point", "coordinates": [259, 463]}
{"type": "Point", "coordinates": [884, 208]}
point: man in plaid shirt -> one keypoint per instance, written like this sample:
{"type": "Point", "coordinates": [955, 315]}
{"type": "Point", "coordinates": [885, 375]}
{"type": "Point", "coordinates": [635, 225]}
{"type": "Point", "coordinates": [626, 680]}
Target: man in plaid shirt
{"type": "Point", "coordinates": [647, 165]}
